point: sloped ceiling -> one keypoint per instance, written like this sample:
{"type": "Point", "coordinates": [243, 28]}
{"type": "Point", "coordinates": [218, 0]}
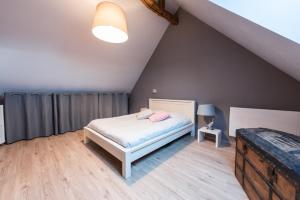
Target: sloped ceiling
{"type": "Point", "coordinates": [277, 50]}
{"type": "Point", "coordinates": [48, 45]}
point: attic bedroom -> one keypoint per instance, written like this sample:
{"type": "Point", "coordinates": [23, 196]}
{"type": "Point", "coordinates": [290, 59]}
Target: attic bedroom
{"type": "Point", "coordinates": [150, 99]}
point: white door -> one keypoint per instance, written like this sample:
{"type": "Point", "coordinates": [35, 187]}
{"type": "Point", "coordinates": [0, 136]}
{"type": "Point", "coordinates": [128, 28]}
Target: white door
{"type": "Point", "coordinates": [2, 134]}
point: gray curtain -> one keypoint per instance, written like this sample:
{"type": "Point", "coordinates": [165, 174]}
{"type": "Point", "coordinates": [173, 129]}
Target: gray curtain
{"type": "Point", "coordinates": [36, 115]}
{"type": "Point", "coordinates": [74, 111]}
{"type": "Point", "coordinates": [112, 104]}
{"type": "Point", "coordinates": [28, 116]}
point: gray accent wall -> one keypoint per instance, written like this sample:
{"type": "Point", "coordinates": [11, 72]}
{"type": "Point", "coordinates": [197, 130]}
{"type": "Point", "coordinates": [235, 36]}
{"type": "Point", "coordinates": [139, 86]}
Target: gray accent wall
{"type": "Point", "coordinates": [194, 61]}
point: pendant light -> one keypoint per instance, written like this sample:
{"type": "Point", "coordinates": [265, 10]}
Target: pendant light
{"type": "Point", "coordinates": [110, 23]}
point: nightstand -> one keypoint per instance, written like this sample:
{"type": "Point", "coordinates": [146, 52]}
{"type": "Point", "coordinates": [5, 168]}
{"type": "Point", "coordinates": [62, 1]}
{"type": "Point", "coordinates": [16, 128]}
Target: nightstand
{"type": "Point", "coordinates": [216, 132]}
{"type": "Point", "coordinates": [143, 109]}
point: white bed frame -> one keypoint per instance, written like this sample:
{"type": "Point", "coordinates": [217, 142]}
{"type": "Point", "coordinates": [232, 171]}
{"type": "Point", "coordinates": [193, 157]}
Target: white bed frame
{"type": "Point", "coordinates": [128, 155]}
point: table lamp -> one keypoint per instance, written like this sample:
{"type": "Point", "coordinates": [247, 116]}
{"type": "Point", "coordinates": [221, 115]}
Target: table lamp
{"type": "Point", "coordinates": [207, 110]}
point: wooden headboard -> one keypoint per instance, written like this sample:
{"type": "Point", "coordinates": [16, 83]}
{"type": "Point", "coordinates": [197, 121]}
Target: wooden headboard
{"type": "Point", "coordinates": [186, 107]}
{"type": "Point", "coordinates": [286, 121]}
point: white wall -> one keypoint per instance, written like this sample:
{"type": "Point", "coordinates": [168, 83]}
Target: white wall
{"type": "Point", "coordinates": [286, 121]}
{"type": "Point", "coordinates": [2, 135]}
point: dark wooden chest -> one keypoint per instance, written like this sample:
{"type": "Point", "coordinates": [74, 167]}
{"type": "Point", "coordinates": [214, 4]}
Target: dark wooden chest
{"type": "Point", "coordinates": [267, 164]}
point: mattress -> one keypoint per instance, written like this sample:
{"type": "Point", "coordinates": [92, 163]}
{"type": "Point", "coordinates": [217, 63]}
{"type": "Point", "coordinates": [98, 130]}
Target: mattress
{"type": "Point", "coordinates": [128, 131]}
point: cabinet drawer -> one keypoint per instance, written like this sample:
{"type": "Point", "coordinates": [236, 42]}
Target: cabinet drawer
{"type": "Point", "coordinates": [261, 172]}
{"type": "Point", "coordinates": [250, 191]}
{"type": "Point", "coordinates": [240, 144]}
{"type": "Point", "coordinates": [239, 160]}
{"type": "Point", "coordinates": [257, 181]}
{"type": "Point", "coordinates": [284, 187]}
{"type": "Point", "coordinates": [239, 175]}
{"type": "Point", "coordinates": [259, 164]}
{"type": "Point", "coordinates": [275, 196]}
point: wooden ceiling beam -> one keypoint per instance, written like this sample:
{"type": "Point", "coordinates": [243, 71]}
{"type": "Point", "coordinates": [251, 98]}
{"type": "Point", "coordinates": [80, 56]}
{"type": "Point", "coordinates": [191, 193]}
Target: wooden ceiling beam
{"type": "Point", "coordinates": [158, 6]}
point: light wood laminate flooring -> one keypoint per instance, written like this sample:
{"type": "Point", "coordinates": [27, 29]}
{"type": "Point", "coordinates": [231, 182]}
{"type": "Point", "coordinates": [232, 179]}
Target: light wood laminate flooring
{"type": "Point", "coordinates": [62, 167]}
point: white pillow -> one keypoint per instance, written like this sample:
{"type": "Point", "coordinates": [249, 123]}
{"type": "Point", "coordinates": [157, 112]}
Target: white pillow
{"type": "Point", "coordinates": [145, 114]}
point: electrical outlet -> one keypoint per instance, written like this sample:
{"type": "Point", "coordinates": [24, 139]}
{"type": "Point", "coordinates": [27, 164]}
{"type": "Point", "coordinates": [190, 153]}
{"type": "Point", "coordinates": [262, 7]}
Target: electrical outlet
{"type": "Point", "coordinates": [154, 91]}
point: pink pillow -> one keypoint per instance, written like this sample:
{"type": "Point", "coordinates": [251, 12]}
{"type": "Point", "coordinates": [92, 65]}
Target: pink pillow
{"type": "Point", "coordinates": [159, 116]}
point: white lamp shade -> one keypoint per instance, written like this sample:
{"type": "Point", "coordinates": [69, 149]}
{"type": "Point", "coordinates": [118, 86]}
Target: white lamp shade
{"type": "Point", "coordinates": [110, 23]}
{"type": "Point", "coordinates": [206, 110]}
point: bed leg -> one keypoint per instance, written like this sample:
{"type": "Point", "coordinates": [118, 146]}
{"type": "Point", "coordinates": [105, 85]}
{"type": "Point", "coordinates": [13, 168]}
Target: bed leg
{"type": "Point", "coordinates": [126, 169]}
{"type": "Point", "coordinates": [193, 132]}
{"type": "Point", "coordinates": [85, 138]}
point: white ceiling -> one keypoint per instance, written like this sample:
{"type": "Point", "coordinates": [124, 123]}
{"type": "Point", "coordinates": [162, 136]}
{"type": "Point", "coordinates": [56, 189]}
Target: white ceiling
{"type": "Point", "coordinates": [282, 15]}
{"type": "Point", "coordinates": [48, 44]}
{"type": "Point", "coordinates": [277, 50]}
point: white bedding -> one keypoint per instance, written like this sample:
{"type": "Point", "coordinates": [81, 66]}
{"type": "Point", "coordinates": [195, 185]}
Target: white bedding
{"type": "Point", "coordinates": [129, 132]}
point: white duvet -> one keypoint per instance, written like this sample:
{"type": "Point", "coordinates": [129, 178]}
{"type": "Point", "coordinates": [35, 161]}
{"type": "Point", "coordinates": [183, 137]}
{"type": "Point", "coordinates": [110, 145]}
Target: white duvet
{"type": "Point", "coordinates": [129, 132]}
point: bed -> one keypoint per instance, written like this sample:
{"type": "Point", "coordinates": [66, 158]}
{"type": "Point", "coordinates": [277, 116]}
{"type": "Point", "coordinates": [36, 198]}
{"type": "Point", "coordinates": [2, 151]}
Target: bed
{"type": "Point", "coordinates": [129, 139]}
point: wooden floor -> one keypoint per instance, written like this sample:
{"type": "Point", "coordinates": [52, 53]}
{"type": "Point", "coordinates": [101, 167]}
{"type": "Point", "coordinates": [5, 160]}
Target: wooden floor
{"type": "Point", "coordinates": [62, 167]}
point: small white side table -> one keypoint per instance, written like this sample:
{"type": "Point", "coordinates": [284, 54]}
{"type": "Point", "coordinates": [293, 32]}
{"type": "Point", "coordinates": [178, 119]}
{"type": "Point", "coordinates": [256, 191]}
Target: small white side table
{"type": "Point", "coordinates": [143, 108]}
{"type": "Point", "coordinates": [216, 132]}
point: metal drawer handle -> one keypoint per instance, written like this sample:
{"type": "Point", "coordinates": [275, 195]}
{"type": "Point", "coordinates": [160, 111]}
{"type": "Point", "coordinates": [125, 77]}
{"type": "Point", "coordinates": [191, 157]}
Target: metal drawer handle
{"type": "Point", "coordinates": [245, 148]}
{"type": "Point", "coordinates": [274, 177]}
{"type": "Point", "coordinates": [272, 174]}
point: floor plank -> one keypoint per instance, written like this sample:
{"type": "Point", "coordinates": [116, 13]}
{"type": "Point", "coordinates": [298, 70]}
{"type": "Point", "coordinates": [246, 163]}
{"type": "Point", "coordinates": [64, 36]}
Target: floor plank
{"type": "Point", "coordinates": [62, 167]}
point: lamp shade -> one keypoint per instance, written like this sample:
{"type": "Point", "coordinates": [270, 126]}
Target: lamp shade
{"type": "Point", "coordinates": [110, 23]}
{"type": "Point", "coordinates": [206, 110]}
